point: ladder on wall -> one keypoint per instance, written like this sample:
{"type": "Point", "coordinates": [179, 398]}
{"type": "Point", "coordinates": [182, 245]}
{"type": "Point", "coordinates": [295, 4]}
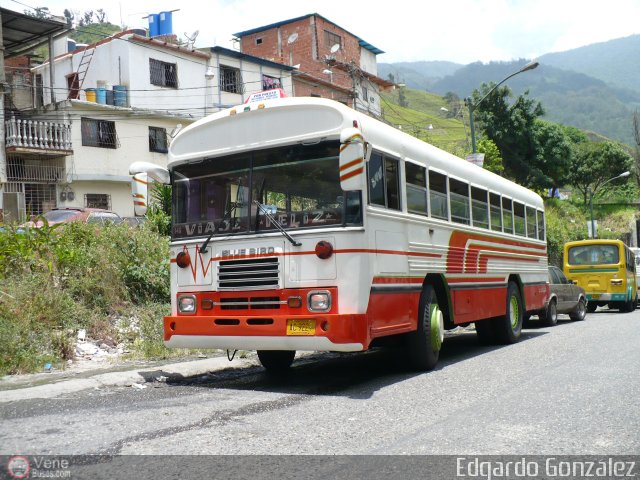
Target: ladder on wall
{"type": "Point", "coordinates": [77, 80]}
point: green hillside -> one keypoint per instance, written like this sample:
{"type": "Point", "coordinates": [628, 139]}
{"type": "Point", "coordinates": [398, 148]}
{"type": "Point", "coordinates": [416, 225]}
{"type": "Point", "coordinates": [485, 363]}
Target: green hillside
{"type": "Point", "coordinates": [94, 32]}
{"type": "Point", "coordinates": [614, 62]}
{"type": "Point", "coordinates": [424, 119]}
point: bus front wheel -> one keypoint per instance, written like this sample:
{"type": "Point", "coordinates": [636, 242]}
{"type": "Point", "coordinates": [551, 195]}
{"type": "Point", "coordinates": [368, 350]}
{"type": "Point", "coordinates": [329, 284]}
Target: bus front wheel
{"type": "Point", "coordinates": [424, 344]}
{"type": "Point", "coordinates": [276, 361]}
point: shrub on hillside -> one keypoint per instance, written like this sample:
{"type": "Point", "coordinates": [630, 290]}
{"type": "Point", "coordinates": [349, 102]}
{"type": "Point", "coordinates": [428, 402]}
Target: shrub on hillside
{"type": "Point", "coordinates": [57, 280]}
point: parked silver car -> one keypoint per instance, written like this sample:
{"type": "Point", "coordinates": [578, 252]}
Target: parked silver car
{"type": "Point", "coordinates": [566, 297]}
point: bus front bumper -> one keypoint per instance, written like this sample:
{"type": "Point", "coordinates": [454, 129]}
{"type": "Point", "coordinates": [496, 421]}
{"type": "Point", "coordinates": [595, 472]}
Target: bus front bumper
{"type": "Point", "coordinates": [330, 332]}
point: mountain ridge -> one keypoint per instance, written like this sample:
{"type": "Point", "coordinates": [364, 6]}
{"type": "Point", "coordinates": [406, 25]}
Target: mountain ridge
{"type": "Point", "coordinates": [597, 93]}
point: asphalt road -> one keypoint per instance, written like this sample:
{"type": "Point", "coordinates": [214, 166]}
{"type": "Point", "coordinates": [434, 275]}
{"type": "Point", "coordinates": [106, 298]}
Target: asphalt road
{"type": "Point", "coordinates": [569, 389]}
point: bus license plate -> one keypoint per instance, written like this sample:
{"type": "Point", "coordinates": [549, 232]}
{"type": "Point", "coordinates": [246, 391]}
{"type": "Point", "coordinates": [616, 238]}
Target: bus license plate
{"type": "Point", "coordinates": [301, 327]}
{"type": "Point", "coordinates": [595, 296]}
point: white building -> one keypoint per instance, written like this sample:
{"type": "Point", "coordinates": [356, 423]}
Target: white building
{"type": "Point", "coordinates": [114, 102]}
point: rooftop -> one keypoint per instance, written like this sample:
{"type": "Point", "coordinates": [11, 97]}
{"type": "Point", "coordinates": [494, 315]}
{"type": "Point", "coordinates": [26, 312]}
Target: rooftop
{"type": "Point", "coordinates": [362, 43]}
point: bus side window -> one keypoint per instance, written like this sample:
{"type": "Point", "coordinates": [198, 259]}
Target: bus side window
{"type": "Point", "coordinates": [479, 207]}
{"type": "Point", "coordinates": [392, 182]}
{"type": "Point", "coordinates": [532, 225]}
{"type": "Point", "coordinates": [541, 232]}
{"type": "Point", "coordinates": [496, 212]}
{"type": "Point", "coordinates": [384, 187]}
{"type": "Point", "coordinates": [519, 220]}
{"type": "Point", "coordinates": [507, 215]}
{"type": "Point", "coordinates": [376, 180]}
{"type": "Point", "coordinates": [416, 188]}
{"type": "Point", "coordinates": [459, 198]}
{"type": "Point", "coordinates": [438, 195]}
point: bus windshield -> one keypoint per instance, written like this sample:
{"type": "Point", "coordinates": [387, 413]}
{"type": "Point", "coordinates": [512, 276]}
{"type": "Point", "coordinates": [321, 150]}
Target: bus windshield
{"type": "Point", "coordinates": [298, 186]}
{"type": "Point", "coordinates": [596, 254]}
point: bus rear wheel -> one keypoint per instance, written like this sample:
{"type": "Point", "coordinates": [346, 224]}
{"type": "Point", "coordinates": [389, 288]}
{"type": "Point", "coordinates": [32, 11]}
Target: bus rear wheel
{"type": "Point", "coordinates": [424, 344]}
{"type": "Point", "coordinates": [276, 361]}
{"type": "Point", "coordinates": [508, 328]}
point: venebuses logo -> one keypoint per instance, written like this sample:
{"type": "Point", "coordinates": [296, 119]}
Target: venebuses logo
{"type": "Point", "coordinates": [18, 467]}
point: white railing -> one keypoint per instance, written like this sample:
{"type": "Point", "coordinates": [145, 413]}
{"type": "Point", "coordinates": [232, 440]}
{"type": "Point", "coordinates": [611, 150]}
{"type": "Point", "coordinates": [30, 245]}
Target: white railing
{"type": "Point", "coordinates": [37, 134]}
{"type": "Point", "coordinates": [35, 172]}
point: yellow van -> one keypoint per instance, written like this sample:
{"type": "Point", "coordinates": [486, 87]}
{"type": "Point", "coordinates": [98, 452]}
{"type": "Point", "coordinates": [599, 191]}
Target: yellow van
{"type": "Point", "coordinates": [606, 269]}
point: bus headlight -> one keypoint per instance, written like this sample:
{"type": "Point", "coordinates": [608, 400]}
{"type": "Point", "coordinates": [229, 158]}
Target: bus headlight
{"type": "Point", "coordinates": [319, 301]}
{"type": "Point", "coordinates": [187, 304]}
{"type": "Point", "coordinates": [616, 282]}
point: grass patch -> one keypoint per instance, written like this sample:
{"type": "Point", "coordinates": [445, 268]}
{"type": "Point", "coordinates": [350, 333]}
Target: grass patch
{"type": "Point", "coordinates": [57, 280]}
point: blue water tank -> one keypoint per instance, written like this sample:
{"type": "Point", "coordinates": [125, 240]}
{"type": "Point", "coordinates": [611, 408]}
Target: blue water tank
{"type": "Point", "coordinates": [120, 95]}
{"type": "Point", "coordinates": [154, 25]}
{"type": "Point", "coordinates": [71, 45]}
{"type": "Point", "coordinates": [166, 23]}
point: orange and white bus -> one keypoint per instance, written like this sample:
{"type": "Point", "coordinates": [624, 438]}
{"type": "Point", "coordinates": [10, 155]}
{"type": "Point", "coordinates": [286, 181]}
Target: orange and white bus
{"type": "Point", "coordinates": [301, 224]}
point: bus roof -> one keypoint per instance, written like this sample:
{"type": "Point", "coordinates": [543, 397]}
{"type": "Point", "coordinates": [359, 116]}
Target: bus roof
{"type": "Point", "coordinates": [307, 119]}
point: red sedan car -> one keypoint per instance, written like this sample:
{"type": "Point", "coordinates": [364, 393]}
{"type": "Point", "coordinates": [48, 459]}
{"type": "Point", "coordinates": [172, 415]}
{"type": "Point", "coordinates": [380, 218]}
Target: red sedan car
{"type": "Point", "coordinates": [75, 214]}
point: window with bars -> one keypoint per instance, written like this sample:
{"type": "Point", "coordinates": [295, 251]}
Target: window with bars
{"type": "Point", "coordinates": [331, 39]}
{"type": "Point", "coordinates": [98, 133]}
{"type": "Point", "coordinates": [230, 80]}
{"type": "Point", "coordinates": [158, 139]}
{"type": "Point", "coordinates": [97, 200]}
{"type": "Point", "coordinates": [163, 74]}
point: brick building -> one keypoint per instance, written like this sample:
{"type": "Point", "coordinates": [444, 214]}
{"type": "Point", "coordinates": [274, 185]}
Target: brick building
{"type": "Point", "coordinates": [330, 61]}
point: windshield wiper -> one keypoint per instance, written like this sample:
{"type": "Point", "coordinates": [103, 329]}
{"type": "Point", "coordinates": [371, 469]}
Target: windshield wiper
{"type": "Point", "coordinates": [271, 218]}
{"type": "Point", "coordinates": [227, 216]}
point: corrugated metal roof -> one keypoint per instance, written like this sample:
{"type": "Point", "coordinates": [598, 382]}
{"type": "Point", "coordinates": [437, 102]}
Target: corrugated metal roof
{"type": "Point", "coordinates": [21, 32]}
{"type": "Point", "coordinates": [363, 44]}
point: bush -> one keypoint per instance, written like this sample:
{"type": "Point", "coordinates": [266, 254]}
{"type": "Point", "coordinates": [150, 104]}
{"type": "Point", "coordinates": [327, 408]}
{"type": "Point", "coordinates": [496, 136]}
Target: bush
{"type": "Point", "coordinates": [56, 280]}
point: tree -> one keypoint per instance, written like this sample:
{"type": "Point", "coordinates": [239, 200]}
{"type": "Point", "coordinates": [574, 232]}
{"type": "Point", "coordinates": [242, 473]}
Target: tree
{"type": "Point", "coordinates": [492, 158]}
{"type": "Point", "coordinates": [511, 126]}
{"type": "Point", "coordinates": [87, 18]}
{"type": "Point", "coordinates": [68, 14]}
{"type": "Point", "coordinates": [553, 155]}
{"type": "Point", "coordinates": [39, 12]}
{"type": "Point", "coordinates": [593, 164]}
{"type": "Point", "coordinates": [402, 99]}
{"type": "Point", "coordinates": [101, 15]}
{"type": "Point", "coordinates": [636, 137]}
{"type": "Point", "coordinates": [454, 104]}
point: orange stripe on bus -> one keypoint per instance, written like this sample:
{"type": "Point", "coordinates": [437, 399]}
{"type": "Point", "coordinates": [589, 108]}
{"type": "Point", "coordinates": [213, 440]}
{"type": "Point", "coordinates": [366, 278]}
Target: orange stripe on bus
{"type": "Point", "coordinates": [352, 174]}
{"type": "Point", "coordinates": [357, 161]}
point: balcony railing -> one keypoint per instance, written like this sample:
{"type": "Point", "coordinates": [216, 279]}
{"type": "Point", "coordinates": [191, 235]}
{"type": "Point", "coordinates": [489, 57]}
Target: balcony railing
{"type": "Point", "coordinates": [38, 134]}
{"type": "Point", "coordinates": [40, 171]}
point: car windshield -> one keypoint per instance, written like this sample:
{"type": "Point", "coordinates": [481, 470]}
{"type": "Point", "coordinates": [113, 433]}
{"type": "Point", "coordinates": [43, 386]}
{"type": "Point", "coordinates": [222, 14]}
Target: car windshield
{"type": "Point", "coordinates": [297, 185]}
{"type": "Point", "coordinates": [593, 255]}
{"type": "Point", "coordinates": [60, 215]}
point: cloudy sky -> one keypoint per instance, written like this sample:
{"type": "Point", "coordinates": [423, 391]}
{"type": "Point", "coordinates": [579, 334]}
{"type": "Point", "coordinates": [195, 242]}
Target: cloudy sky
{"type": "Point", "coordinates": [461, 31]}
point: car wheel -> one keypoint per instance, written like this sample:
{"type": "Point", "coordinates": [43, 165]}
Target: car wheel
{"type": "Point", "coordinates": [508, 327]}
{"type": "Point", "coordinates": [550, 316]}
{"type": "Point", "coordinates": [425, 343]}
{"type": "Point", "coordinates": [580, 311]}
{"type": "Point", "coordinates": [276, 361]}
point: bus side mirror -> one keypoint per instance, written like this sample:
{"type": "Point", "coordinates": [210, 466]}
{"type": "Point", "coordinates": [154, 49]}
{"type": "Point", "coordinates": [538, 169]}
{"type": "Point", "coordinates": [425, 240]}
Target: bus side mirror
{"type": "Point", "coordinates": [352, 160]}
{"type": "Point", "coordinates": [139, 185]}
{"type": "Point", "coordinates": [142, 172]}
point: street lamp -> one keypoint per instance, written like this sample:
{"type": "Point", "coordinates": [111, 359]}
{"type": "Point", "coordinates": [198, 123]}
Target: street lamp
{"type": "Point", "coordinates": [472, 106]}
{"type": "Point", "coordinates": [593, 227]}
